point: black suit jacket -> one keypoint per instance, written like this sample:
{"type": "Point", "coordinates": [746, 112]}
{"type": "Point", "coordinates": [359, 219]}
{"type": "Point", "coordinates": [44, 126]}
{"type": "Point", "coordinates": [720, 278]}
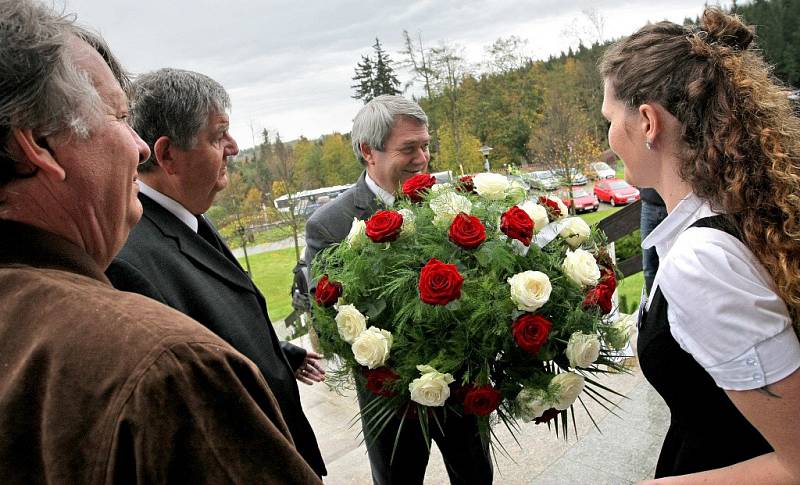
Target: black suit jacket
{"type": "Point", "coordinates": [167, 261]}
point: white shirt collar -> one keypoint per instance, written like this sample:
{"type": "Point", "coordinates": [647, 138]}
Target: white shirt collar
{"type": "Point", "coordinates": [690, 209]}
{"type": "Point", "coordinates": [386, 197]}
{"type": "Point", "coordinates": [171, 205]}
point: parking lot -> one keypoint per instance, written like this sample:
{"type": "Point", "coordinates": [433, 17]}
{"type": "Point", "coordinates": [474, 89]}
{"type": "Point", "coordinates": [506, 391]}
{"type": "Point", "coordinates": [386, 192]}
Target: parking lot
{"type": "Point", "coordinates": [588, 187]}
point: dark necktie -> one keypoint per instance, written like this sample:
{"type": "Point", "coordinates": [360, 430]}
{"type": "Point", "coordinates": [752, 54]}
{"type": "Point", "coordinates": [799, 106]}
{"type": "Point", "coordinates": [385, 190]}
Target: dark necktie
{"type": "Point", "coordinates": [205, 231]}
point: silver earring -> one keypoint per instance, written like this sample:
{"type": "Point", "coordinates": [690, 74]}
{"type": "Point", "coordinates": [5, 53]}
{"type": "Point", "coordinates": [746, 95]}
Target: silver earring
{"type": "Point", "coordinates": [649, 145]}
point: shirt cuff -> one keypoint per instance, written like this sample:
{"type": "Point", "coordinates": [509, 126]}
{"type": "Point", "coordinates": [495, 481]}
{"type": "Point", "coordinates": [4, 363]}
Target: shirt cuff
{"type": "Point", "coordinates": [766, 363]}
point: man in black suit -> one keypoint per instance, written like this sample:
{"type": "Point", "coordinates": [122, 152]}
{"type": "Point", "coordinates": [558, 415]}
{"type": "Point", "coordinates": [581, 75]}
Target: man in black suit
{"type": "Point", "coordinates": [175, 256]}
{"type": "Point", "coordinates": [390, 138]}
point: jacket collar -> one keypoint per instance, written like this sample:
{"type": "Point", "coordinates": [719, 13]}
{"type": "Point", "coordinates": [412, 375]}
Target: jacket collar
{"type": "Point", "coordinates": [363, 198]}
{"type": "Point", "coordinates": [195, 247]}
{"type": "Point", "coordinates": [31, 246]}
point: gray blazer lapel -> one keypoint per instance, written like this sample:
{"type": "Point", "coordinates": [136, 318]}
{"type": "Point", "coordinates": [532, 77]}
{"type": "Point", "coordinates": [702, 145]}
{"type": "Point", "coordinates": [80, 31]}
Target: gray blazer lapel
{"type": "Point", "coordinates": [194, 247]}
{"type": "Point", "coordinates": [366, 203]}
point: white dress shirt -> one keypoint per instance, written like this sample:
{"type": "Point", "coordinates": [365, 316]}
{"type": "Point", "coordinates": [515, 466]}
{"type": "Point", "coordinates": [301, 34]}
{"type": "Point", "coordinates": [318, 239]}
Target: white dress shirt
{"type": "Point", "coordinates": [722, 305]}
{"type": "Point", "coordinates": [170, 204]}
{"type": "Point", "coordinates": [386, 197]}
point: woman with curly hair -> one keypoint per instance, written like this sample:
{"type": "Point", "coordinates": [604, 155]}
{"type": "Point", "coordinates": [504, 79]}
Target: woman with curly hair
{"type": "Point", "coordinates": [695, 114]}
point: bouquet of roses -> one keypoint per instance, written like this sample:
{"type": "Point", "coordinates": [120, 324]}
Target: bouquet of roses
{"type": "Point", "coordinates": [468, 298]}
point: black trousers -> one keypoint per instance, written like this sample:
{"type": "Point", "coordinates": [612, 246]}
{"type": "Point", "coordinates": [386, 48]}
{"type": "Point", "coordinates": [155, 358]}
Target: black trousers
{"type": "Point", "coordinates": [466, 459]}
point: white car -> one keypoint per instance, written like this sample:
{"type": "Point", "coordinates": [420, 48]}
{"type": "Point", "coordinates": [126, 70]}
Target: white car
{"type": "Point", "coordinates": [600, 170]}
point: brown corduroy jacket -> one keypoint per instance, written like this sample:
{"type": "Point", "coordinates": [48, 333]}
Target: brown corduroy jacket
{"type": "Point", "coordinates": [101, 386]}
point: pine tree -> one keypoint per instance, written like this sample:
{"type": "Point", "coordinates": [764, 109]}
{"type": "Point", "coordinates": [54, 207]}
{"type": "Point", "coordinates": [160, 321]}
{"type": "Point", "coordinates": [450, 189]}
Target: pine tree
{"type": "Point", "coordinates": [375, 76]}
{"type": "Point", "coordinates": [385, 80]}
{"type": "Point", "coordinates": [365, 80]}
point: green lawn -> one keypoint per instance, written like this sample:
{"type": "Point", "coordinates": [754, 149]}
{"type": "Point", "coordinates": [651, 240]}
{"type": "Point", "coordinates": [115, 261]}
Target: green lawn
{"type": "Point", "coordinates": [273, 275]}
{"type": "Point", "coordinates": [595, 217]}
{"type": "Point", "coordinates": [629, 291]}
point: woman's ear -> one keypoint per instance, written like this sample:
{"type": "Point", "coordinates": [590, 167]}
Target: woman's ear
{"type": "Point", "coordinates": [650, 122]}
{"type": "Point", "coordinates": [36, 153]}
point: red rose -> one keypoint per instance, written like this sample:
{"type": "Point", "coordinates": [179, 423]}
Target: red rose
{"type": "Point", "coordinates": [416, 186]}
{"type": "Point", "coordinates": [327, 291]}
{"type": "Point", "coordinates": [377, 380]}
{"type": "Point", "coordinates": [465, 184]}
{"type": "Point", "coordinates": [552, 204]}
{"type": "Point", "coordinates": [439, 283]}
{"type": "Point", "coordinates": [547, 416]}
{"type": "Point", "coordinates": [384, 226]}
{"type": "Point", "coordinates": [482, 400]}
{"type": "Point", "coordinates": [517, 224]}
{"type": "Point", "coordinates": [467, 231]}
{"type": "Point", "coordinates": [608, 279]}
{"type": "Point", "coordinates": [599, 296]}
{"type": "Point", "coordinates": [531, 331]}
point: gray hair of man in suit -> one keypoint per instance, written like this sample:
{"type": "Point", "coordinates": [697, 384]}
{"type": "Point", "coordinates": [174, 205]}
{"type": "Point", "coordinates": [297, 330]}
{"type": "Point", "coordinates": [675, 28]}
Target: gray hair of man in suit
{"type": "Point", "coordinates": [374, 122]}
{"type": "Point", "coordinates": [174, 103]}
{"type": "Point", "coordinates": [41, 87]}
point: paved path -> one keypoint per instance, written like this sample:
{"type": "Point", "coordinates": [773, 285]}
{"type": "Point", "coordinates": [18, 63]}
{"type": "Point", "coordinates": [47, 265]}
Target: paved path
{"type": "Point", "coordinates": [273, 246]}
{"type": "Point", "coordinates": [623, 451]}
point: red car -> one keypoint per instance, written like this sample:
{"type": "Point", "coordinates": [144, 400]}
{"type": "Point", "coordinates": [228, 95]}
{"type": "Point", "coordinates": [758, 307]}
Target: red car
{"type": "Point", "coordinates": [584, 201]}
{"type": "Point", "coordinates": [615, 191]}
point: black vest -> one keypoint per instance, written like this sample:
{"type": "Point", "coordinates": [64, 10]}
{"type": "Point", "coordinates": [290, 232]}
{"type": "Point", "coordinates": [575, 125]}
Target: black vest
{"type": "Point", "coordinates": [706, 430]}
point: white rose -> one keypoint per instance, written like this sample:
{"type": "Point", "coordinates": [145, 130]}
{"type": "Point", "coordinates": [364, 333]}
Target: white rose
{"type": "Point", "coordinates": [569, 386]}
{"type": "Point", "coordinates": [371, 347]}
{"type": "Point", "coordinates": [408, 221]}
{"type": "Point", "coordinates": [493, 186]}
{"type": "Point", "coordinates": [530, 290]}
{"type": "Point", "coordinates": [440, 187]}
{"type": "Point", "coordinates": [537, 212]}
{"type": "Point", "coordinates": [447, 205]}
{"type": "Point", "coordinates": [531, 403]}
{"type": "Point", "coordinates": [350, 322]}
{"type": "Point", "coordinates": [432, 388]}
{"type": "Point", "coordinates": [619, 334]}
{"type": "Point", "coordinates": [358, 234]}
{"type": "Point", "coordinates": [581, 267]}
{"type": "Point", "coordinates": [575, 231]}
{"type": "Point", "coordinates": [583, 349]}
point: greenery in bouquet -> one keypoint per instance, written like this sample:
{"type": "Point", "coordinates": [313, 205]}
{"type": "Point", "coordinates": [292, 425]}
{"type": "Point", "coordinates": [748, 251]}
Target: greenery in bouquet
{"type": "Point", "coordinates": [468, 298]}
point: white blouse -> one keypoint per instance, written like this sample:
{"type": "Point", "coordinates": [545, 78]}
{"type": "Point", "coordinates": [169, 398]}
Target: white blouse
{"type": "Point", "coordinates": [723, 308]}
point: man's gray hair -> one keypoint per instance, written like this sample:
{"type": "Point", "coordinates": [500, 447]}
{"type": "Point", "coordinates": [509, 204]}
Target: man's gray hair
{"type": "Point", "coordinates": [176, 104]}
{"type": "Point", "coordinates": [41, 88]}
{"type": "Point", "coordinates": [374, 122]}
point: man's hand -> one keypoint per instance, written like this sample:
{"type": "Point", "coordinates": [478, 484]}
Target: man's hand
{"type": "Point", "coordinates": [310, 371]}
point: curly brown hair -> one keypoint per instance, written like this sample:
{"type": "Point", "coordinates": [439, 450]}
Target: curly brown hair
{"type": "Point", "coordinates": [741, 149]}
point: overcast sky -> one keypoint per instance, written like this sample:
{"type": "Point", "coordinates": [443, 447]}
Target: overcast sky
{"type": "Point", "coordinates": [287, 65]}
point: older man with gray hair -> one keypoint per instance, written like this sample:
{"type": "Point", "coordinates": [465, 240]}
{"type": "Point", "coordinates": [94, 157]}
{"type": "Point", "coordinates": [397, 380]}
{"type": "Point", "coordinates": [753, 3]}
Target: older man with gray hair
{"type": "Point", "coordinates": [174, 255]}
{"type": "Point", "coordinates": [97, 385]}
{"type": "Point", "coordinates": [390, 138]}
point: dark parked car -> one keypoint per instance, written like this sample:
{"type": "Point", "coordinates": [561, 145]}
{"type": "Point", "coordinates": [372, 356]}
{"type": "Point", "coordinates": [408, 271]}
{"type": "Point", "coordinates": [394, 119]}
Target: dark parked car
{"type": "Point", "coordinates": [615, 191]}
{"type": "Point", "coordinates": [584, 201]}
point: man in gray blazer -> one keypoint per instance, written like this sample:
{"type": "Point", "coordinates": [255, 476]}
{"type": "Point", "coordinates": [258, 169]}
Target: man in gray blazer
{"type": "Point", "coordinates": [390, 138]}
{"type": "Point", "coordinates": [175, 256]}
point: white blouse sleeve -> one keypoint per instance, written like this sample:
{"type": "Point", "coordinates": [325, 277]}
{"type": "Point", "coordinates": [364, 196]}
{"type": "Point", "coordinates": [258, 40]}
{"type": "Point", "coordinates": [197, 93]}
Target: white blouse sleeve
{"type": "Point", "coordinates": [724, 311]}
